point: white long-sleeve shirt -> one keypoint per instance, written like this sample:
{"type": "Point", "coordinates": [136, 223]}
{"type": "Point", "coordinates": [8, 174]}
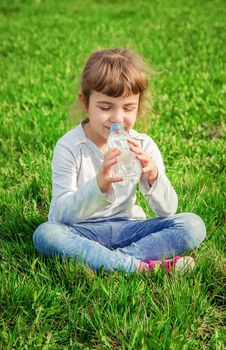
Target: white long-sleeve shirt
{"type": "Point", "coordinates": [76, 196]}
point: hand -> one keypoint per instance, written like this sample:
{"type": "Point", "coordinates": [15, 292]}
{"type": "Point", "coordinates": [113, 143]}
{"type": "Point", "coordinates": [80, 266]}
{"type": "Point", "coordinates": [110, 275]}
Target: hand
{"type": "Point", "coordinates": [104, 176]}
{"type": "Point", "coordinates": [149, 169]}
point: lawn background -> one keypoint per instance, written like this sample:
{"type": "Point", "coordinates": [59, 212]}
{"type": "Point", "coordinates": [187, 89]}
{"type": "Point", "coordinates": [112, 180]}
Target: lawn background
{"type": "Point", "coordinates": [44, 44]}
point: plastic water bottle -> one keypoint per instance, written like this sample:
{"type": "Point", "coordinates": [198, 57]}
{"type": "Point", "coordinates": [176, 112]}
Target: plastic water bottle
{"type": "Point", "coordinates": [128, 166]}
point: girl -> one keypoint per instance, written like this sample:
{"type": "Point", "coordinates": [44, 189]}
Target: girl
{"type": "Point", "coordinates": [93, 215]}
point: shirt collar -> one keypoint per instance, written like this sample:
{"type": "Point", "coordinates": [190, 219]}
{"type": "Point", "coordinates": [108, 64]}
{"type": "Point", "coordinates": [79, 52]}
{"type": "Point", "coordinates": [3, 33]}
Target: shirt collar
{"type": "Point", "coordinates": [136, 135]}
{"type": "Point", "coordinates": [81, 135]}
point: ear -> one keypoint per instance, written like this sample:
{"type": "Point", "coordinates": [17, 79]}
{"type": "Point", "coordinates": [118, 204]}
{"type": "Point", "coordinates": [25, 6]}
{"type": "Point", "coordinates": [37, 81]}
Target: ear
{"type": "Point", "coordinates": [82, 101]}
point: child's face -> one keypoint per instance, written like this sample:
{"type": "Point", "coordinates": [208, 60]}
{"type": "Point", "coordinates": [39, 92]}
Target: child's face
{"type": "Point", "coordinates": [103, 111]}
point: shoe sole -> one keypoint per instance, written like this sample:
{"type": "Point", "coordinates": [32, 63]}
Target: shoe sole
{"type": "Point", "coordinates": [185, 264]}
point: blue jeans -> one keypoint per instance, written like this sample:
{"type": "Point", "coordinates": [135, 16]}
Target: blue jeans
{"type": "Point", "coordinates": [120, 244]}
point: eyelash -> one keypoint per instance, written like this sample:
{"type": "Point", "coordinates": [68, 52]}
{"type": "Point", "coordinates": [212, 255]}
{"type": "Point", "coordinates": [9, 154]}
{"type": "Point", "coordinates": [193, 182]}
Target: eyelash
{"type": "Point", "coordinates": [108, 109]}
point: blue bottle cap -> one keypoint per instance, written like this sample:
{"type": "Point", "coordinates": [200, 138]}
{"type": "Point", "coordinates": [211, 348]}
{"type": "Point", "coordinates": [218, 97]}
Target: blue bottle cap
{"type": "Point", "coordinates": [115, 127]}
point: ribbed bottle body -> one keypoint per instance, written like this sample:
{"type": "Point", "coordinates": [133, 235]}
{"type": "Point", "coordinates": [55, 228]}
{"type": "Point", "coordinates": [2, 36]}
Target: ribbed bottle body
{"type": "Point", "coordinates": [128, 166]}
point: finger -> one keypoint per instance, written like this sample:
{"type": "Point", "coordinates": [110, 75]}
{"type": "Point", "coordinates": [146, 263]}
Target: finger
{"type": "Point", "coordinates": [111, 179]}
{"type": "Point", "coordinates": [112, 154]}
{"type": "Point", "coordinates": [137, 149]}
{"type": "Point", "coordinates": [133, 142]}
{"type": "Point", "coordinates": [114, 149]}
{"type": "Point", "coordinates": [143, 157]}
{"type": "Point", "coordinates": [108, 164]}
{"type": "Point", "coordinates": [148, 169]}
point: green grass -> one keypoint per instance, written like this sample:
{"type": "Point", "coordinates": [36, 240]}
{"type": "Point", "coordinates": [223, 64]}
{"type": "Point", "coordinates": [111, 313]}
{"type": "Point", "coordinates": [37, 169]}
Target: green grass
{"type": "Point", "coordinates": [44, 44]}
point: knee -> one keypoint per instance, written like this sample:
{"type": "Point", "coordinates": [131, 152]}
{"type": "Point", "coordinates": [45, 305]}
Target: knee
{"type": "Point", "coordinates": [44, 236]}
{"type": "Point", "coordinates": [195, 228]}
{"type": "Point", "coordinates": [39, 235]}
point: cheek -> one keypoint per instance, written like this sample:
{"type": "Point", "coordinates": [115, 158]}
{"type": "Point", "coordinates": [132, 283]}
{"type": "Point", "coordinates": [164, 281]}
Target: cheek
{"type": "Point", "coordinates": [100, 113]}
{"type": "Point", "coordinates": [96, 115]}
{"type": "Point", "coordinates": [130, 120]}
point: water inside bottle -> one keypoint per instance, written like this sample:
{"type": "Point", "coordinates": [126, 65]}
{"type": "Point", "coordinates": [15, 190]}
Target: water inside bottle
{"type": "Point", "coordinates": [128, 166]}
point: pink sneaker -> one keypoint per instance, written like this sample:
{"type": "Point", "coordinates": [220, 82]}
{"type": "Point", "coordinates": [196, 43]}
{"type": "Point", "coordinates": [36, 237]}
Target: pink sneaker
{"type": "Point", "coordinates": [178, 263]}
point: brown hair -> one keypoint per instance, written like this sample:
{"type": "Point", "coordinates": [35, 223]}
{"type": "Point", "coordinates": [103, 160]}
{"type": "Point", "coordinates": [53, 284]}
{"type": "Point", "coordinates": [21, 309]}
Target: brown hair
{"type": "Point", "coordinates": [115, 72]}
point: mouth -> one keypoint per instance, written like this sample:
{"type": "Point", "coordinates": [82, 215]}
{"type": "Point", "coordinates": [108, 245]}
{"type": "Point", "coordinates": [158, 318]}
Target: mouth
{"type": "Point", "coordinates": [108, 127]}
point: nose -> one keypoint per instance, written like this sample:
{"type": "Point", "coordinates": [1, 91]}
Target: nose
{"type": "Point", "coordinates": [117, 118]}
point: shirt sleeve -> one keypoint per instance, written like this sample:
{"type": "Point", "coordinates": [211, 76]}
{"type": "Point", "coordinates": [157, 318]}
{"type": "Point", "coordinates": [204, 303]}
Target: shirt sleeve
{"type": "Point", "coordinates": [161, 196]}
{"type": "Point", "coordinates": [70, 203]}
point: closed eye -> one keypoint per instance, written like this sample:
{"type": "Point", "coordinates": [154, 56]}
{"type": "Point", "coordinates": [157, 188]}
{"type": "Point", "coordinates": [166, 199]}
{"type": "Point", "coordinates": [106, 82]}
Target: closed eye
{"type": "Point", "coordinates": [105, 108]}
{"type": "Point", "coordinates": [128, 109]}
{"type": "Point", "coordinates": [108, 108]}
